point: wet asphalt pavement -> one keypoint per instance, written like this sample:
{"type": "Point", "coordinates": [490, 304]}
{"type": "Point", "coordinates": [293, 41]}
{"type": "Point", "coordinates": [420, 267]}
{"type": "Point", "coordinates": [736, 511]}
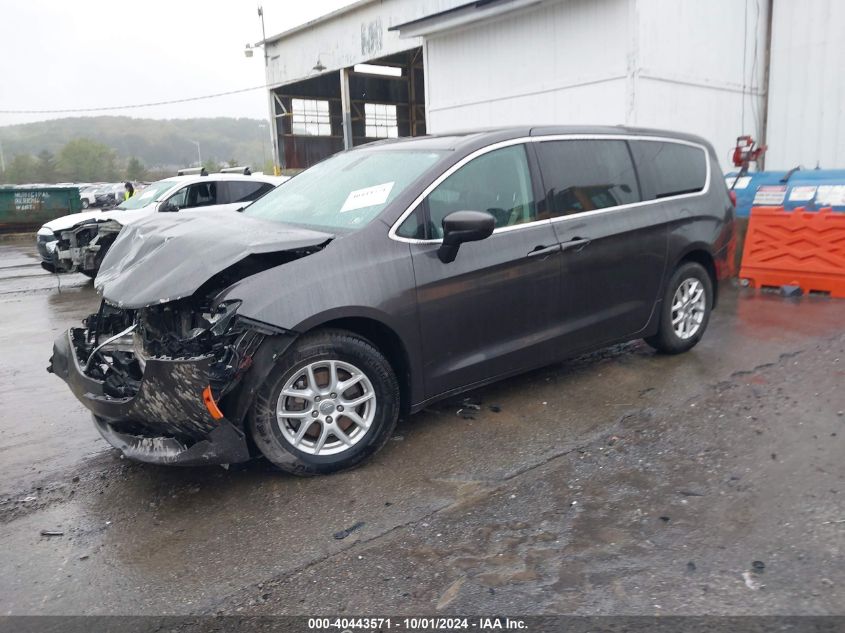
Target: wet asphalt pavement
{"type": "Point", "coordinates": [618, 482]}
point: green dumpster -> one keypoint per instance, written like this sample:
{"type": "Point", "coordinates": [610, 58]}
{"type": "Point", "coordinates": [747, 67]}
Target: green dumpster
{"type": "Point", "coordinates": [27, 208]}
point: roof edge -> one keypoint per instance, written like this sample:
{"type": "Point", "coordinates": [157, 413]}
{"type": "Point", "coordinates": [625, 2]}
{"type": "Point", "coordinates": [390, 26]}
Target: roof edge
{"type": "Point", "coordinates": [459, 16]}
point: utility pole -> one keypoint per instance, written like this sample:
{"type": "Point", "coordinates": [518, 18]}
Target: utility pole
{"type": "Point", "coordinates": [274, 137]}
{"type": "Point", "coordinates": [199, 154]}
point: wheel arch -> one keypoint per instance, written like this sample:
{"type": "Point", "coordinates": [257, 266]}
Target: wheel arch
{"type": "Point", "coordinates": [700, 254]}
{"type": "Point", "coordinates": [388, 342]}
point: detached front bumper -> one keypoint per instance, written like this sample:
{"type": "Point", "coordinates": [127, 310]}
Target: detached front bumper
{"type": "Point", "coordinates": [169, 406]}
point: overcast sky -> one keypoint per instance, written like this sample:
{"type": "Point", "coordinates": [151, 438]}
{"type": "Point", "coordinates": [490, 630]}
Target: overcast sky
{"type": "Point", "coordinates": [59, 54]}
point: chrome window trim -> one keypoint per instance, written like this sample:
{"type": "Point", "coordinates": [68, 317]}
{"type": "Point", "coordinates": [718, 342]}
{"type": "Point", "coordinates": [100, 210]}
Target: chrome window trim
{"type": "Point", "coordinates": [539, 139]}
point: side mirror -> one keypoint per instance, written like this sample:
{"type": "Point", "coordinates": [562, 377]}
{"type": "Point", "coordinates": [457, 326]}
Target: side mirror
{"type": "Point", "coordinates": [167, 207]}
{"type": "Point", "coordinates": [463, 226]}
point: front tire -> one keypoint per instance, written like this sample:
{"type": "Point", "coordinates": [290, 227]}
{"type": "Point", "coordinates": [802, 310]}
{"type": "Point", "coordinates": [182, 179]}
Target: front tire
{"type": "Point", "coordinates": [84, 203]}
{"type": "Point", "coordinates": [685, 311]}
{"type": "Point", "coordinates": [330, 403]}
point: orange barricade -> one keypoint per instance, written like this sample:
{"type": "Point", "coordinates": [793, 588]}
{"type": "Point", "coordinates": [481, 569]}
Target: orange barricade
{"type": "Point", "coordinates": [795, 248]}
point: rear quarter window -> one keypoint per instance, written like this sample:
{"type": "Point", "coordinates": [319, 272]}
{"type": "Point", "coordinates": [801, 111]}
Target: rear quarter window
{"type": "Point", "coordinates": [246, 191]}
{"type": "Point", "coordinates": [676, 169]}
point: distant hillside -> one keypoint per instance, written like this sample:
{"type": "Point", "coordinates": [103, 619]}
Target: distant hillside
{"type": "Point", "coordinates": [157, 143]}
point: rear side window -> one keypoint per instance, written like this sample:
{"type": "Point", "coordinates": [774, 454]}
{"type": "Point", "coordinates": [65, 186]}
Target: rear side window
{"type": "Point", "coordinates": [246, 191]}
{"type": "Point", "coordinates": [586, 175]}
{"type": "Point", "coordinates": [676, 169]}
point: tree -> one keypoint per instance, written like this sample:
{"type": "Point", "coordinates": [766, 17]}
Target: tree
{"type": "Point", "coordinates": [135, 169]}
{"type": "Point", "coordinates": [84, 160]}
{"type": "Point", "coordinates": [232, 162]}
{"type": "Point", "coordinates": [46, 167]}
{"type": "Point", "coordinates": [23, 169]}
{"type": "Point", "coordinates": [211, 166]}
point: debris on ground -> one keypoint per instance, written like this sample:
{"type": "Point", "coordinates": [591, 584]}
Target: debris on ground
{"type": "Point", "coordinates": [467, 408]}
{"type": "Point", "coordinates": [52, 533]}
{"type": "Point", "coordinates": [758, 566]}
{"type": "Point", "coordinates": [495, 408]}
{"type": "Point", "coordinates": [342, 534]}
{"type": "Point", "coordinates": [750, 582]}
{"type": "Point", "coordinates": [665, 519]}
{"type": "Point", "coordinates": [690, 567]}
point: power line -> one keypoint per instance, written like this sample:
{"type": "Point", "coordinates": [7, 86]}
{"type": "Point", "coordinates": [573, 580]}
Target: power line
{"type": "Point", "coordinates": [131, 107]}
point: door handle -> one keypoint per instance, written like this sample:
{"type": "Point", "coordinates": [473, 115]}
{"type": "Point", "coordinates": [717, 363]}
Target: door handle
{"type": "Point", "coordinates": [576, 243]}
{"type": "Point", "coordinates": [541, 250]}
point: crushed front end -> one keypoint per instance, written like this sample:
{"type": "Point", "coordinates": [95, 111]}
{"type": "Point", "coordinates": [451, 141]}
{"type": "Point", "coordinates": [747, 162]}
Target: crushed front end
{"type": "Point", "coordinates": [78, 249]}
{"type": "Point", "coordinates": [155, 378]}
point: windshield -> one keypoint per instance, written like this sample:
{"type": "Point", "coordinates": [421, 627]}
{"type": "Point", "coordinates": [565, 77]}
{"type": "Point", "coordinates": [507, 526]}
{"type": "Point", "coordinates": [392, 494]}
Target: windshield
{"type": "Point", "coordinates": [345, 191]}
{"type": "Point", "coordinates": [148, 195]}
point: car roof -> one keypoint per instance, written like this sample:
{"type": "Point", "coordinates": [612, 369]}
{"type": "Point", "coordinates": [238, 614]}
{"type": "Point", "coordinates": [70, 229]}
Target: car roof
{"type": "Point", "coordinates": [471, 139]}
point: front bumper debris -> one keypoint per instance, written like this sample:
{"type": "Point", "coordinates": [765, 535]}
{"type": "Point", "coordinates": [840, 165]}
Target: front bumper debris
{"type": "Point", "coordinates": [166, 421]}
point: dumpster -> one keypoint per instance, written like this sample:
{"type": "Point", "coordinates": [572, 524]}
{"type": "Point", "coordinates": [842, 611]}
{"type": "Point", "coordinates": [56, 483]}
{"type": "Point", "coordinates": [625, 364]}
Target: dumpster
{"type": "Point", "coordinates": [27, 208]}
{"type": "Point", "coordinates": [811, 189]}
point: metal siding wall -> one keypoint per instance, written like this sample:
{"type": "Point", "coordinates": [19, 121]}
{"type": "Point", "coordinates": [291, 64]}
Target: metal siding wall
{"type": "Point", "coordinates": [690, 74]}
{"type": "Point", "coordinates": [545, 64]}
{"type": "Point", "coordinates": [807, 85]}
{"type": "Point", "coordinates": [354, 37]}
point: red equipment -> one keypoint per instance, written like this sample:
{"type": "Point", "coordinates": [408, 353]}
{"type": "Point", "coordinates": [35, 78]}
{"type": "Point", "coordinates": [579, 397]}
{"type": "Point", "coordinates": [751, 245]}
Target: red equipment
{"type": "Point", "coordinates": [745, 152]}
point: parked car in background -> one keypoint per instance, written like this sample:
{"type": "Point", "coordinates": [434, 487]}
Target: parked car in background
{"type": "Point", "coordinates": [87, 194]}
{"type": "Point", "coordinates": [391, 276]}
{"type": "Point", "coordinates": [109, 195]}
{"type": "Point", "coordinates": [78, 242]}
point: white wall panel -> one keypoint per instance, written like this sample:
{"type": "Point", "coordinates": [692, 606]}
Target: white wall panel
{"type": "Point", "coordinates": [807, 85]}
{"type": "Point", "coordinates": [675, 64]}
{"type": "Point", "coordinates": [544, 64]}
{"type": "Point", "coordinates": [573, 106]}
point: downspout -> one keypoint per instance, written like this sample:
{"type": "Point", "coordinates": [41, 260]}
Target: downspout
{"type": "Point", "coordinates": [767, 59]}
{"type": "Point", "coordinates": [633, 64]}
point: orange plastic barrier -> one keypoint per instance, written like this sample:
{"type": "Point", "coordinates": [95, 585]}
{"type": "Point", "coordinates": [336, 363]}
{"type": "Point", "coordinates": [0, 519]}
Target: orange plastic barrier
{"type": "Point", "coordinates": [796, 248]}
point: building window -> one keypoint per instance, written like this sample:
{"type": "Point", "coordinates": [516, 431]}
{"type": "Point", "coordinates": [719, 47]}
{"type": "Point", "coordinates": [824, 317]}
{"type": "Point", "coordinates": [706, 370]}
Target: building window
{"type": "Point", "coordinates": [311, 117]}
{"type": "Point", "coordinates": [380, 120]}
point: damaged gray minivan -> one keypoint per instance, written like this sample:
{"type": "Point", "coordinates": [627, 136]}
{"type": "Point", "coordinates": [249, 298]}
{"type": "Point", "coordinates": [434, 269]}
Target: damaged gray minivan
{"type": "Point", "coordinates": [390, 276]}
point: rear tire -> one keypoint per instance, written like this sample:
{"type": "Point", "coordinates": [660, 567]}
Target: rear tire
{"type": "Point", "coordinates": [328, 372]}
{"type": "Point", "coordinates": [84, 203]}
{"type": "Point", "coordinates": [685, 311]}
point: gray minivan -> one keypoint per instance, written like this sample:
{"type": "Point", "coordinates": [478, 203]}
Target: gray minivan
{"type": "Point", "coordinates": [390, 276]}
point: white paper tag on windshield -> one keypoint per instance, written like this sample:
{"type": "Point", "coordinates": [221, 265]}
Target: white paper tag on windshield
{"type": "Point", "coordinates": [371, 196]}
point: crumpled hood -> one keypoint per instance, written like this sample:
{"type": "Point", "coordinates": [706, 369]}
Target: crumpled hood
{"type": "Point", "coordinates": [169, 255]}
{"type": "Point", "coordinates": [67, 222]}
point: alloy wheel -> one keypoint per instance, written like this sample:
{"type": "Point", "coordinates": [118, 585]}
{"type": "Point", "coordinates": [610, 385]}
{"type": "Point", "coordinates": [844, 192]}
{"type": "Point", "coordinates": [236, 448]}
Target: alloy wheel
{"type": "Point", "coordinates": [688, 307]}
{"type": "Point", "coordinates": [326, 407]}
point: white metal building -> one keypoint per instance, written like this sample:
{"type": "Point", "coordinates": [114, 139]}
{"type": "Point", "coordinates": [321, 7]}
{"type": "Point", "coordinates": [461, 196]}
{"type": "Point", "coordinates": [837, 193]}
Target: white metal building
{"type": "Point", "coordinates": [720, 68]}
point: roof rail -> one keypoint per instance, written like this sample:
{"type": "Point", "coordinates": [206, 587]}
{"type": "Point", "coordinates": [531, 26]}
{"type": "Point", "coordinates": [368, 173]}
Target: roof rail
{"type": "Point", "coordinates": [192, 171]}
{"type": "Point", "coordinates": [246, 171]}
